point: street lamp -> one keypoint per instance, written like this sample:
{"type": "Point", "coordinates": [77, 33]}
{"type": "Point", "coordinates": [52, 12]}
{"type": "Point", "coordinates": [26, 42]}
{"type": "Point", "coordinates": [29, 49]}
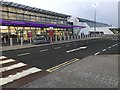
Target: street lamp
{"type": "Point", "coordinates": [94, 6]}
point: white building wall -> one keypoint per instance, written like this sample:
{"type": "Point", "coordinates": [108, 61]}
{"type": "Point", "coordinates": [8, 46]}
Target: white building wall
{"type": "Point", "coordinates": [87, 30]}
{"type": "Point", "coordinates": [75, 23]}
{"type": "Point", "coordinates": [105, 30]}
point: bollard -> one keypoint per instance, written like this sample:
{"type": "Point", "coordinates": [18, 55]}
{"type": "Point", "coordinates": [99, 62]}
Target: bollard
{"type": "Point", "coordinates": [50, 39]}
{"type": "Point", "coordinates": [55, 38]}
{"type": "Point", "coordinates": [21, 40]}
{"type": "Point", "coordinates": [11, 42]}
{"type": "Point", "coordinates": [4, 40]}
{"type": "Point", "coordinates": [71, 37]}
{"type": "Point", "coordinates": [17, 40]}
{"type": "Point", "coordinates": [64, 38]}
{"type": "Point", "coordinates": [77, 36]}
{"type": "Point", "coordinates": [60, 38]}
{"type": "Point", "coordinates": [30, 40]}
{"type": "Point", "coordinates": [68, 37]}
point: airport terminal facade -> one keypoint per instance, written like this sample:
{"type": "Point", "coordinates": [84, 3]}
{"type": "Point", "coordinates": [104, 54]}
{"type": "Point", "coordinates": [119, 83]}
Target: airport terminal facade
{"type": "Point", "coordinates": [25, 21]}
{"type": "Point", "coordinates": [35, 20]}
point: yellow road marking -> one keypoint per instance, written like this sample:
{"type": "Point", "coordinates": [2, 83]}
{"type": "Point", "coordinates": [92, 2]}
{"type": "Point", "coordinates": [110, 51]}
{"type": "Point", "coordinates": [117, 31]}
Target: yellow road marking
{"type": "Point", "coordinates": [62, 65]}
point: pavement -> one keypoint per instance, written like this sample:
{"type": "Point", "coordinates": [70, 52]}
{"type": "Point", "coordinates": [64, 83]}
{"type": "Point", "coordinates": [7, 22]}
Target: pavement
{"type": "Point", "coordinates": [99, 71]}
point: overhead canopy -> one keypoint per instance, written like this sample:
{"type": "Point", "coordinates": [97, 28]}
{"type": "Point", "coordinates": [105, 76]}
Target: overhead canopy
{"type": "Point", "coordinates": [34, 24]}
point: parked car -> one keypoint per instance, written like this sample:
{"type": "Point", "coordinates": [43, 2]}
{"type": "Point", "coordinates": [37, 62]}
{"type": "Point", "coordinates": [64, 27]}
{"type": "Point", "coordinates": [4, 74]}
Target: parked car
{"type": "Point", "coordinates": [38, 39]}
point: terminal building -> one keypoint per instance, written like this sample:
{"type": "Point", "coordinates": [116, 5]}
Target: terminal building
{"type": "Point", "coordinates": [101, 28]}
{"type": "Point", "coordinates": [25, 21]}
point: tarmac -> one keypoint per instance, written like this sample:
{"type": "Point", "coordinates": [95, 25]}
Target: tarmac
{"type": "Point", "coordinates": [15, 47]}
{"type": "Point", "coordinates": [99, 71]}
{"type": "Point", "coordinates": [91, 72]}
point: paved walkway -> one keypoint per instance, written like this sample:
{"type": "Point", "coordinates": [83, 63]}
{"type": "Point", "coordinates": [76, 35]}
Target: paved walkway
{"type": "Point", "coordinates": [5, 48]}
{"type": "Point", "coordinates": [92, 72]}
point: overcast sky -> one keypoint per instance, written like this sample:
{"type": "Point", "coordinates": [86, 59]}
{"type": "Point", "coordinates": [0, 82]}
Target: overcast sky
{"type": "Point", "coordinates": [107, 10]}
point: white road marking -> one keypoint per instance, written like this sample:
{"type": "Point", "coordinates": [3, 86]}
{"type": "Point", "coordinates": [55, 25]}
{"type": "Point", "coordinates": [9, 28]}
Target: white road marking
{"type": "Point", "coordinates": [12, 67]}
{"type": "Point", "coordinates": [116, 83]}
{"type": "Point", "coordinates": [7, 61]}
{"type": "Point", "coordinates": [2, 57]}
{"type": "Point", "coordinates": [23, 54]}
{"type": "Point", "coordinates": [104, 50]}
{"type": "Point", "coordinates": [109, 47]}
{"type": "Point", "coordinates": [109, 80]}
{"type": "Point", "coordinates": [57, 47]}
{"type": "Point", "coordinates": [97, 53]}
{"type": "Point", "coordinates": [97, 76]}
{"type": "Point", "coordinates": [116, 44]}
{"type": "Point", "coordinates": [113, 45]}
{"type": "Point", "coordinates": [18, 75]}
{"type": "Point", "coordinates": [102, 79]}
{"type": "Point", "coordinates": [44, 50]}
{"type": "Point", "coordinates": [67, 45]}
{"type": "Point", "coordinates": [76, 49]}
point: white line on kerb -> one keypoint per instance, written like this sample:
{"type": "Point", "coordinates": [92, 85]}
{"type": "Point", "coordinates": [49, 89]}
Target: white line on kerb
{"type": "Point", "coordinates": [57, 47]}
{"type": "Point", "coordinates": [97, 53]}
{"type": "Point", "coordinates": [44, 50]}
{"type": "Point", "coordinates": [104, 50]}
{"type": "Point", "coordinates": [23, 54]}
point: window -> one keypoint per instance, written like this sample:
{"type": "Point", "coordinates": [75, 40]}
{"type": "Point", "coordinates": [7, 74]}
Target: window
{"type": "Point", "coordinates": [12, 16]}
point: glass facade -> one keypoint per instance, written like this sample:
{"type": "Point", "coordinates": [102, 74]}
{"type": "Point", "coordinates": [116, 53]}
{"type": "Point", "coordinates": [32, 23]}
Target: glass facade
{"type": "Point", "coordinates": [9, 12]}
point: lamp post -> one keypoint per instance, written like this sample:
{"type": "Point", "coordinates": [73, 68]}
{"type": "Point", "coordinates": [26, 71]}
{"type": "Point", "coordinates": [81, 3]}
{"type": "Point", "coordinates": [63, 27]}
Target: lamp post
{"type": "Point", "coordinates": [94, 5]}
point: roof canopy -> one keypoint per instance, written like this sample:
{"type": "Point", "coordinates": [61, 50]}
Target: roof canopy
{"type": "Point", "coordinates": [34, 24]}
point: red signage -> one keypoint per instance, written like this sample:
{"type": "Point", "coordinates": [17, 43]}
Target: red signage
{"type": "Point", "coordinates": [51, 33]}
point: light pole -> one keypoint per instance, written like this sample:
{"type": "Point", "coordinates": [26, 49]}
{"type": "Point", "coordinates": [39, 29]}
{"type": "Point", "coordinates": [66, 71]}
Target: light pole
{"type": "Point", "coordinates": [94, 5]}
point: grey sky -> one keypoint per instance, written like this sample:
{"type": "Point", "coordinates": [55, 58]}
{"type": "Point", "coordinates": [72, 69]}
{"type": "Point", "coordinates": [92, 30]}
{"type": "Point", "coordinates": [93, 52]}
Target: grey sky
{"type": "Point", "coordinates": [107, 10]}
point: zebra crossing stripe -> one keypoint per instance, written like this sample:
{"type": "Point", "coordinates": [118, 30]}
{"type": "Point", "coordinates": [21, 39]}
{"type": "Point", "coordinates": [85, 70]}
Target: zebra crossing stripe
{"type": "Point", "coordinates": [12, 67]}
{"type": "Point", "coordinates": [2, 57]}
{"type": "Point", "coordinates": [7, 61]}
{"type": "Point", "coordinates": [18, 75]}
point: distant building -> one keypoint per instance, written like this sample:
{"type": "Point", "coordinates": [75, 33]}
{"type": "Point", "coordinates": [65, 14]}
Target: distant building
{"type": "Point", "coordinates": [101, 28]}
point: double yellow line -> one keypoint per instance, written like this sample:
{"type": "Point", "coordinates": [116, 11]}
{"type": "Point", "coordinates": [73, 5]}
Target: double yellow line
{"type": "Point", "coordinates": [62, 65]}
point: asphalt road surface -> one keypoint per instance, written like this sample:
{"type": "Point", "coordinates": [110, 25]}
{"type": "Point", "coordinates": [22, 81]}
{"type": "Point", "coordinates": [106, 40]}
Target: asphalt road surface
{"type": "Point", "coordinates": [46, 57]}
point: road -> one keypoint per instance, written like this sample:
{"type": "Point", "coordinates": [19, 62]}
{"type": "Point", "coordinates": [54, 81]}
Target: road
{"type": "Point", "coordinates": [46, 57]}
{"type": "Point", "coordinates": [26, 65]}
